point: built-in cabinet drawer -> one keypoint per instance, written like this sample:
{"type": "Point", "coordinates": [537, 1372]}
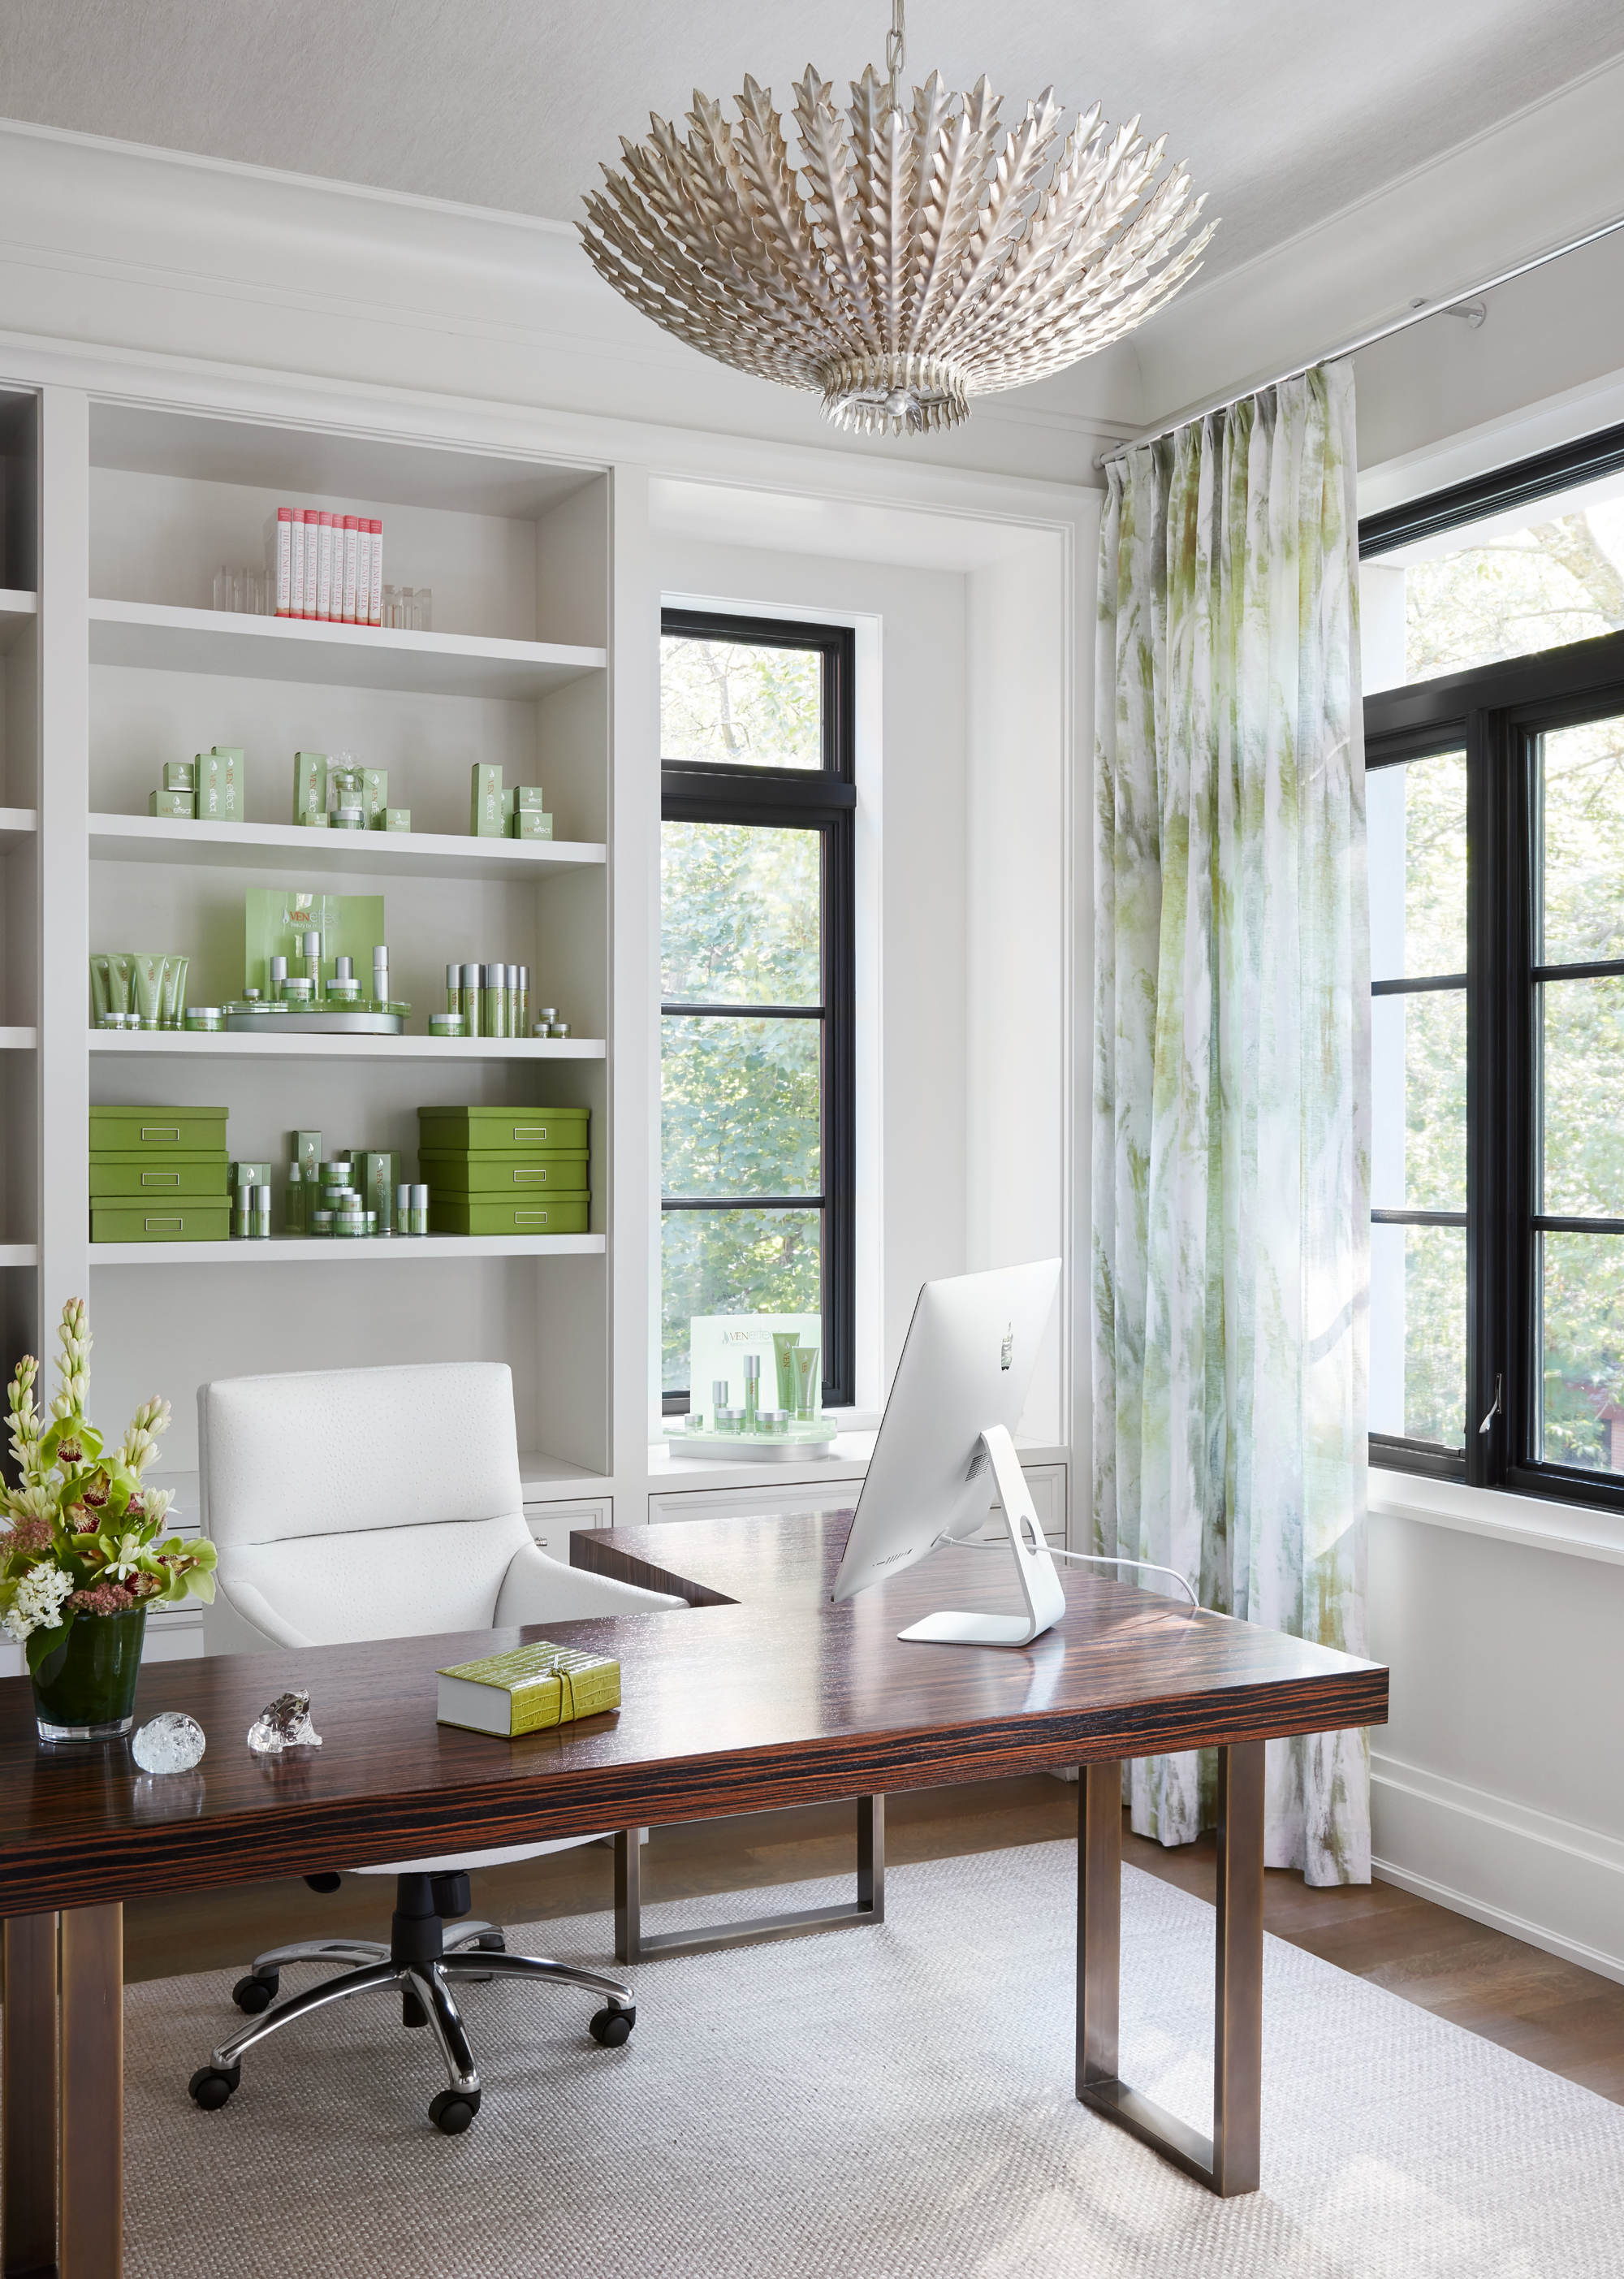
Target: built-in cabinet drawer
{"type": "Point", "coordinates": [553, 1524]}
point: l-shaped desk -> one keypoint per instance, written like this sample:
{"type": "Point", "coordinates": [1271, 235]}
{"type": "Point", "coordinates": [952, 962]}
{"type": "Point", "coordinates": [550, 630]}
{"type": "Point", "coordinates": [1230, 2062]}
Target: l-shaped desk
{"type": "Point", "coordinates": [766, 1696]}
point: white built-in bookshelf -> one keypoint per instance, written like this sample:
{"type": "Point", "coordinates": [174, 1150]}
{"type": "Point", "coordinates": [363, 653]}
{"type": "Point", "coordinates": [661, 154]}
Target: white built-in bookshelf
{"type": "Point", "coordinates": [115, 517]}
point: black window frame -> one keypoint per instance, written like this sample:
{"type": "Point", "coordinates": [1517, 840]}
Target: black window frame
{"type": "Point", "coordinates": [1497, 713]}
{"type": "Point", "coordinates": [823, 799]}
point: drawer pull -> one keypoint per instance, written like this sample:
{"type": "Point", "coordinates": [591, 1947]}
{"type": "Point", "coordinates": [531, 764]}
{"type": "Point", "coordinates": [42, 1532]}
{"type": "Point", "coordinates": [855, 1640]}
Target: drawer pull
{"type": "Point", "coordinates": [160, 1132]}
{"type": "Point", "coordinates": [163, 1225]}
{"type": "Point", "coordinates": [530, 1131]}
{"type": "Point", "coordinates": [529, 1175]}
{"type": "Point", "coordinates": [160, 1178]}
{"type": "Point", "coordinates": [525, 1218]}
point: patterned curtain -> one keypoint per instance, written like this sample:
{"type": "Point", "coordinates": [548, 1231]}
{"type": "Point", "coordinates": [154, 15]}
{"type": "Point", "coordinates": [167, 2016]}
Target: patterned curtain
{"type": "Point", "coordinates": [1232, 1144]}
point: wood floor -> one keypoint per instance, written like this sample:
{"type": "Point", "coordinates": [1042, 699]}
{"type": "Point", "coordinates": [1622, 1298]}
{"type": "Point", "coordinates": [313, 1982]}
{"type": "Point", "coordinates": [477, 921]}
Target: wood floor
{"type": "Point", "coordinates": [1552, 2012]}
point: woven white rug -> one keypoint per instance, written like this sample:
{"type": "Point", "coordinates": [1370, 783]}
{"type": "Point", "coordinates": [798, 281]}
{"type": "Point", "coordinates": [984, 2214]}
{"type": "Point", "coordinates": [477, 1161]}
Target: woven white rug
{"type": "Point", "coordinates": [869, 2104]}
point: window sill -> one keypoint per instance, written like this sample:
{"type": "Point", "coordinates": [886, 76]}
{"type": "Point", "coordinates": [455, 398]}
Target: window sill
{"type": "Point", "coordinates": [1577, 1530]}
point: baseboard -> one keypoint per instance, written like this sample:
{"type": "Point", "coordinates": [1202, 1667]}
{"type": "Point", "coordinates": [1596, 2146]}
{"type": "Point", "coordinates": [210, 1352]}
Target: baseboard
{"type": "Point", "coordinates": [1549, 1882]}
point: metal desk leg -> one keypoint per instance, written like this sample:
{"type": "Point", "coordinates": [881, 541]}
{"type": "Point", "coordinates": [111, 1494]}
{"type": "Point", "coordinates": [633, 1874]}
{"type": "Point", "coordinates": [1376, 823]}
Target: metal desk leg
{"type": "Point", "coordinates": [1228, 2162]}
{"type": "Point", "coordinates": [29, 2066]}
{"type": "Point", "coordinates": [632, 1944]}
{"type": "Point", "coordinates": [92, 2145]}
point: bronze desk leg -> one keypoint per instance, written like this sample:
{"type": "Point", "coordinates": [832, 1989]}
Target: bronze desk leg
{"type": "Point", "coordinates": [634, 1944]}
{"type": "Point", "coordinates": [1228, 2162]}
{"type": "Point", "coordinates": [30, 2064]}
{"type": "Point", "coordinates": [92, 2150]}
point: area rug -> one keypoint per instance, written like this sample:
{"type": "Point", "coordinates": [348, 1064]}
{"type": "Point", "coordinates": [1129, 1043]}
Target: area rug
{"type": "Point", "coordinates": [889, 2103]}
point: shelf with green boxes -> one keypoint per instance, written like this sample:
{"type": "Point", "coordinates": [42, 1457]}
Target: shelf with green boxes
{"type": "Point", "coordinates": [408, 855]}
{"type": "Point", "coordinates": [232, 1045]}
{"type": "Point", "coordinates": [158, 1175]}
{"type": "Point", "coordinates": [293, 1250]}
{"type": "Point", "coordinates": [505, 1170]}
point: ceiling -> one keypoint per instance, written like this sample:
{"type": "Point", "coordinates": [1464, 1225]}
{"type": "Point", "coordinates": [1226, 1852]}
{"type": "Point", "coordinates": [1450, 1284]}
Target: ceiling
{"type": "Point", "coordinates": [1286, 111]}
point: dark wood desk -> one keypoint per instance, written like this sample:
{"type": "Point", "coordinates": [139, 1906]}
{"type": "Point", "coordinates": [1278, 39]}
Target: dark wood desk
{"type": "Point", "coordinates": [766, 1695]}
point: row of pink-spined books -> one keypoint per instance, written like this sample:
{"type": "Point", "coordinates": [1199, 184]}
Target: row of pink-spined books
{"type": "Point", "coordinates": [327, 566]}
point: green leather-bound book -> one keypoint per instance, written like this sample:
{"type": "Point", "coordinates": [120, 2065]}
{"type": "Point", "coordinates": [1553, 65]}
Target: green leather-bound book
{"type": "Point", "coordinates": [531, 1687]}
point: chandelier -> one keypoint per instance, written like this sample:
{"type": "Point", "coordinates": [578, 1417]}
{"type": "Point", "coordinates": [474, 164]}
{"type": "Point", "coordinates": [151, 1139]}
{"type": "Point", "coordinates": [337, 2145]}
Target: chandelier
{"type": "Point", "coordinates": [902, 261]}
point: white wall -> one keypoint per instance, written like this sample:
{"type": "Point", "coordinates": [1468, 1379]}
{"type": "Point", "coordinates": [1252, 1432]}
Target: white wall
{"type": "Point", "coordinates": [922, 887]}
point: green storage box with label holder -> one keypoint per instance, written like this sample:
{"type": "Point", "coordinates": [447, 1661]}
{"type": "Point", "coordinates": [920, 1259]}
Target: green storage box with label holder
{"type": "Point", "coordinates": [175, 1131]}
{"type": "Point", "coordinates": [503, 1131]}
{"type": "Point", "coordinates": [485, 1214]}
{"type": "Point", "coordinates": [491, 1176]}
{"type": "Point", "coordinates": [137, 1176]}
{"type": "Point", "coordinates": [181, 1220]}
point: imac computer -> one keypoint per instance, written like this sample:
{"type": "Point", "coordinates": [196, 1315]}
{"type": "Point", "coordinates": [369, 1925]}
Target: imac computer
{"type": "Point", "coordinates": [958, 1390]}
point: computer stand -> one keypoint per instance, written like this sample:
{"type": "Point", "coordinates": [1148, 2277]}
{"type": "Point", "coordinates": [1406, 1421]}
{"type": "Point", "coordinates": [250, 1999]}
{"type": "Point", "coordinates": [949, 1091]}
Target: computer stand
{"type": "Point", "coordinates": [1040, 1585]}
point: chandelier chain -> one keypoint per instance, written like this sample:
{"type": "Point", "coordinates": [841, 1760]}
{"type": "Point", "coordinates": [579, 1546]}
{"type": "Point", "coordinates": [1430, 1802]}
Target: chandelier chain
{"type": "Point", "coordinates": [896, 51]}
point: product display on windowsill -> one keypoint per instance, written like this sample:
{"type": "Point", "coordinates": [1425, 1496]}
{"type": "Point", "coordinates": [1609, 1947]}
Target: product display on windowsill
{"type": "Point", "coordinates": [756, 1389]}
{"type": "Point", "coordinates": [86, 1555]}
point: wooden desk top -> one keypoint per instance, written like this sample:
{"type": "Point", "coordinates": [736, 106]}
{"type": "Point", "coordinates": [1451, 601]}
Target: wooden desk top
{"type": "Point", "coordinates": [770, 1697]}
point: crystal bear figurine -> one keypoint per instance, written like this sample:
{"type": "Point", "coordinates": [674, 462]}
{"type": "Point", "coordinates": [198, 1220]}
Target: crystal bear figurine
{"type": "Point", "coordinates": [169, 1742]}
{"type": "Point", "coordinates": [283, 1724]}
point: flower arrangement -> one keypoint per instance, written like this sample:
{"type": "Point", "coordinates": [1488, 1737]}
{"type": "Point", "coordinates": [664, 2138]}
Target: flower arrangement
{"type": "Point", "coordinates": [86, 1537]}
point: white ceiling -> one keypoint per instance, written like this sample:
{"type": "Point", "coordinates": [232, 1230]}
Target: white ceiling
{"type": "Point", "coordinates": [1286, 111]}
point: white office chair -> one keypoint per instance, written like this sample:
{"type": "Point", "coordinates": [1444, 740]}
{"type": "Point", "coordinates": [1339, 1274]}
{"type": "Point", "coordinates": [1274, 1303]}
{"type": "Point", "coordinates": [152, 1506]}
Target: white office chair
{"type": "Point", "coordinates": [386, 1503]}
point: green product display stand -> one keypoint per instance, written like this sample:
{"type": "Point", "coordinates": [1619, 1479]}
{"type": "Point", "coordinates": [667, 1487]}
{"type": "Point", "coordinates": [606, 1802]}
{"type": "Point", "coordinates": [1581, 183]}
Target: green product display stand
{"type": "Point", "coordinates": [503, 1131]}
{"type": "Point", "coordinates": [558, 1174]}
{"type": "Point", "coordinates": [181, 1220]}
{"type": "Point", "coordinates": [172, 1130]}
{"type": "Point", "coordinates": [480, 1214]}
{"type": "Point", "coordinates": [196, 1176]}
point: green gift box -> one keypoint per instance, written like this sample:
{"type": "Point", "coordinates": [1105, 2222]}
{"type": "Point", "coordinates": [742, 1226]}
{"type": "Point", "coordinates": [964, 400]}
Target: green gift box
{"type": "Point", "coordinates": [451, 1214]}
{"type": "Point", "coordinates": [194, 1177]}
{"type": "Point", "coordinates": [151, 1222]}
{"type": "Point", "coordinates": [180, 775]}
{"type": "Point", "coordinates": [174, 805]}
{"type": "Point", "coordinates": [487, 812]}
{"type": "Point", "coordinates": [393, 818]}
{"type": "Point", "coordinates": [530, 823]}
{"type": "Point", "coordinates": [489, 1177]}
{"type": "Point", "coordinates": [166, 1131]}
{"type": "Point", "coordinates": [309, 788]}
{"type": "Point", "coordinates": [503, 1131]}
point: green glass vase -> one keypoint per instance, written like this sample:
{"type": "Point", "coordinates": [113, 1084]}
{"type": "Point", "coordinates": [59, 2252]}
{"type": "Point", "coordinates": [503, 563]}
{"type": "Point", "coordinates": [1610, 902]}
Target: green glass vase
{"type": "Point", "coordinates": [85, 1690]}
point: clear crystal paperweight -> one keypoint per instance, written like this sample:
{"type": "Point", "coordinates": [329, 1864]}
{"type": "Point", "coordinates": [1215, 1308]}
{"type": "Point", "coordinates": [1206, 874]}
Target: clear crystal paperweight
{"type": "Point", "coordinates": [169, 1742]}
{"type": "Point", "coordinates": [283, 1724]}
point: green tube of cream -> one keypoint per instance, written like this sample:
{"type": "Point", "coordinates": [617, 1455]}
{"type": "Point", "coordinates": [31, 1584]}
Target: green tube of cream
{"type": "Point", "coordinates": [173, 1003]}
{"type": "Point", "coordinates": [147, 978]}
{"type": "Point", "coordinates": [118, 967]}
{"type": "Point", "coordinates": [101, 1002]}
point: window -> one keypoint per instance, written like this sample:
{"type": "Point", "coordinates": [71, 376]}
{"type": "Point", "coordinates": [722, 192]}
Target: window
{"type": "Point", "coordinates": [1496, 804]}
{"type": "Point", "coordinates": [757, 1110]}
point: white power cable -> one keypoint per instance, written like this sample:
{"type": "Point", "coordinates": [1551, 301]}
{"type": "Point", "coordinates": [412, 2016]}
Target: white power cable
{"type": "Point", "coordinates": [1085, 1558]}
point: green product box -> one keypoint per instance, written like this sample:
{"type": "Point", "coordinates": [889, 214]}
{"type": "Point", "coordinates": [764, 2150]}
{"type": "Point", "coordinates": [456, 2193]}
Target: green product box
{"type": "Point", "coordinates": [196, 1178]}
{"type": "Point", "coordinates": [393, 818]}
{"type": "Point", "coordinates": [485, 1176]}
{"type": "Point", "coordinates": [172, 1130]}
{"type": "Point", "coordinates": [530, 823]}
{"type": "Point", "coordinates": [488, 811]}
{"type": "Point", "coordinates": [374, 795]}
{"type": "Point", "coordinates": [251, 1174]}
{"type": "Point", "coordinates": [307, 1152]}
{"type": "Point", "coordinates": [483, 1215]}
{"type": "Point", "coordinates": [277, 919]}
{"type": "Point", "coordinates": [232, 760]}
{"type": "Point", "coordinates": [523, 797]}
{"type": "Point", "coordinates": [182, 1221]}
{"type": "Point", "coordinates": [309, 788]}
{"type": "Point", "coordinates": [379, 1176]}
{"type": "Point", "coordinates": [180, 775]}
{"type": "Point", "coordinates": [175, 805]}
{"type": "Point", "coordinates": [503, 1131]}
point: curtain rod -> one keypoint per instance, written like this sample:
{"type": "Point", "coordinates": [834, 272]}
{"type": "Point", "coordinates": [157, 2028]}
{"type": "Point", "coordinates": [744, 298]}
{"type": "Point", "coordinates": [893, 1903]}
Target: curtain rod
{"type": "Point", "coordinates": [1416, 316]}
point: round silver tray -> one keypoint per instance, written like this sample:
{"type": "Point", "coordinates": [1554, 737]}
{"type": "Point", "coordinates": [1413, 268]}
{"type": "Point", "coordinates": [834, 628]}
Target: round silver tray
{"type": "Point", "coordinates": [322, 1024]}
{"type": "Point", "coordinates": [735, 1448]}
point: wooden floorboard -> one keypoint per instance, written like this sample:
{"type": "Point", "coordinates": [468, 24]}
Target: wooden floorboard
{"type": "Point", "coordinates": [1560, 2016]}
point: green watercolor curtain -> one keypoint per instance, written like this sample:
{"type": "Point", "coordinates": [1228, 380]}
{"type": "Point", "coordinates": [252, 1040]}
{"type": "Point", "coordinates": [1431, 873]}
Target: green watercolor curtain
{"type": "Point", "coordinates": [1232, 1149]}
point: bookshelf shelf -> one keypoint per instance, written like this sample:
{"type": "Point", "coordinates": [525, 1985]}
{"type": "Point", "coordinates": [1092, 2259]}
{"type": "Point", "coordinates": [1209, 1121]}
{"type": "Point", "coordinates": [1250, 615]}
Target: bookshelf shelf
{"type": "Point", "coordinates": [19, 1040]}
{"type": "Point", "coordinates": [405, 854]}
{"type": "Point", "coordinates": [150, 634]}
{"type": "Point", "coordinates": [329, 1250]}
{"type": "Point", "coordinates": [17, 825]}
{"type": "Point", "coordinates": [220, 1045]}
{"type": "Point", "coordinates": [19, 1253]}
{"type": "Point", "coordinates": [18, 611]}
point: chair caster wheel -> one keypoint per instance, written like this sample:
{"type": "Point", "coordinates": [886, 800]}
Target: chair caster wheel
{"type": "Point", "coordinates": [491, 1942]}
{"type": "Point", "coordinates": [612, 2027]}
{"type": "Point", "coordinates": [254, 1994]}
{"type": "Point", "coordinates": [210, 2086]}
{"type": "Point", "coordinates": [453, 2109]}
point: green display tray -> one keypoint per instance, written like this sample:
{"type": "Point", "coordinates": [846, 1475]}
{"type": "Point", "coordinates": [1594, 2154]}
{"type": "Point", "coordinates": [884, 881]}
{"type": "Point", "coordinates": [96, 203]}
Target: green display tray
{"type": "Point", "coordinates": [176, 1131]}
{"type": "Point", "coordinates": [501, 1131]}
{"type": "Point", "coordinates": [502, 1175]}
{"type": "Point", "coordinates": [195, 1176]}
{"type": "Point", "coordinates": [471, 1215]}
{"type": "Point", "coordinates": [185, 1222]}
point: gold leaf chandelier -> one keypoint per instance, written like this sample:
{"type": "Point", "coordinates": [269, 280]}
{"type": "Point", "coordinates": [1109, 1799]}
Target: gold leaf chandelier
{"type": "Point", "coordinates": [903, 260]}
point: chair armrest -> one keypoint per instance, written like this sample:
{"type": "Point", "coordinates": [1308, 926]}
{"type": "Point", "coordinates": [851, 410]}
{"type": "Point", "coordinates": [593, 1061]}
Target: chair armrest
{"type": "Point", "coordinates": [539, 1589]}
